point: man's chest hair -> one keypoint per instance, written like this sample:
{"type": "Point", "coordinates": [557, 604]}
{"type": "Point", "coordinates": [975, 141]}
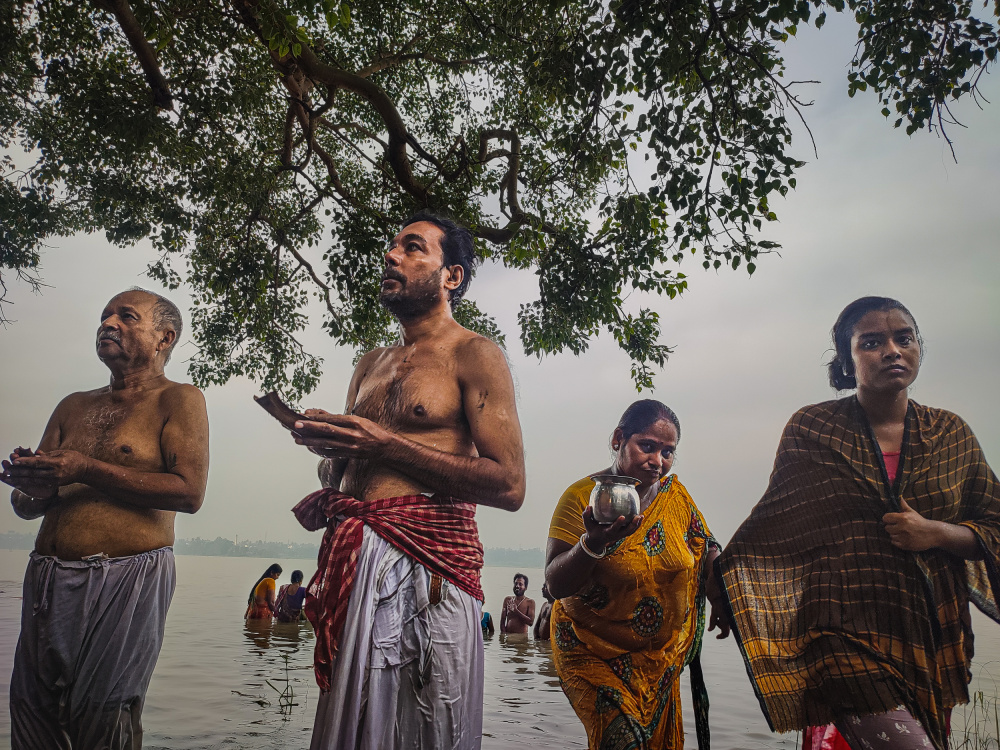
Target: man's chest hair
{"type": "Point", "coordinates": [419, 392]}
{"type": "Point", "coordinates": [121, 432]}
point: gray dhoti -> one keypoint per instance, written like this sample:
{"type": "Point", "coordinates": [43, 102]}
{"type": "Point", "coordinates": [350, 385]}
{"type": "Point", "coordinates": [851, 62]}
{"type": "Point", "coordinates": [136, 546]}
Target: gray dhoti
{"type": "Point", "coordinates": [408, 674]}
{"type": "Point", "coordinates": [90, 635]}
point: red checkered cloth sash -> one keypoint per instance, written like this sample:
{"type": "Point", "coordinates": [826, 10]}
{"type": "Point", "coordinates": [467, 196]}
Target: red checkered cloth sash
{"type": "Point", "coordinates": [440, 534]}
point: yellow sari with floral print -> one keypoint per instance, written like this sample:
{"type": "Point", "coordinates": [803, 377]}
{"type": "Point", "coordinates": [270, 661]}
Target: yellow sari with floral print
{"type": "Point", "coordinates": [620, 644]}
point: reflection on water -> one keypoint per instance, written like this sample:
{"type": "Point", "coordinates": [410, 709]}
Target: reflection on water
{"type": "Point", "coordinates": [276, 645]}
{"type": "Point", "coordinates": [223, 683]}
{"type": "Point", "coordinates": [265, 634]}
{"type": "Point", "coordinates": [530, 658]}
{"type": "Point", "coordinates": [219, 680]}
{"type": "Point", "coordinates": [523, 701]}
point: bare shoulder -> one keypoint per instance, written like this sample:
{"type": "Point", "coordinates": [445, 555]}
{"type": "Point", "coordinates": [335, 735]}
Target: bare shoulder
{"type": "Point", "coordinates": [477, 355]}
{"type": "Point", "coordinates": [76, 401]}
{"type": "Point", "coordinates": [368, 360]}
{"type": "Point", "coordinates": [182, 396]}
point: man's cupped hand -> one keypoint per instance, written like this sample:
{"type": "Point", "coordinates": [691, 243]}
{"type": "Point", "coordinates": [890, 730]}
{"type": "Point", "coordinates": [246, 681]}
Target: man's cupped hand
{"type": "Point", "coordinates": [40, 474]}
{"type": "Point", "coordinates": [340, 435]}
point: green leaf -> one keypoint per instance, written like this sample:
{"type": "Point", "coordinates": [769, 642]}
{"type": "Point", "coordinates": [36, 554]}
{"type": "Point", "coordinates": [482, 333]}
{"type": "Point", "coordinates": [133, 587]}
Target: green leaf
{"type": "Point", "coordinates": [258, 228]}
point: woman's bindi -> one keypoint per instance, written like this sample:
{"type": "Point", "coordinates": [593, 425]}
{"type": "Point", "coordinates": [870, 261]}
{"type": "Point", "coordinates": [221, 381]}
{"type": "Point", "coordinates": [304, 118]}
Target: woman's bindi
{"type": "Point", "coordinates": [419, 410]}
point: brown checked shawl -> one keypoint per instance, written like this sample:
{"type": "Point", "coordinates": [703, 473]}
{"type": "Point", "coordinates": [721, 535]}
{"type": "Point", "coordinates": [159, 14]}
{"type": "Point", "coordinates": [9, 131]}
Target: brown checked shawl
{"type": "Point", "coordinates": [832, 619]}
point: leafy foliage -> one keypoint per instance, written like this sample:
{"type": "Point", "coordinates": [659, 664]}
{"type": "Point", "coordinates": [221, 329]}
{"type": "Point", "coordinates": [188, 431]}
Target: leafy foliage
{"type": "Point", "coordinates": [267, 150]}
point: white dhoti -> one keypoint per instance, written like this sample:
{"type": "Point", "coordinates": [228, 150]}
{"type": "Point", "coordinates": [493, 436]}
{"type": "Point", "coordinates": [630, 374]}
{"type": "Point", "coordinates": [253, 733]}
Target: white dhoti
{"type": "Point", "coordinates": [408, 674]}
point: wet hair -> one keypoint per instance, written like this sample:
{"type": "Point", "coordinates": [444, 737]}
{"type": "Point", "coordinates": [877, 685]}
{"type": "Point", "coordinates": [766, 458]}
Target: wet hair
{"type": "Point", "coordinates": [274, 568]}
{"type": "Point", "coordinates": [165, 315]}
{"type": "Point", "coordinates": [456, 246]}
{"type": "Point", "coordinates": [841, 367]}
{"type": "Point", "coordinates": [297, 576]}
{"type": "Point", "coordinates": [644, 413]}
{"type": "Point", "coordinates": [523, 576]}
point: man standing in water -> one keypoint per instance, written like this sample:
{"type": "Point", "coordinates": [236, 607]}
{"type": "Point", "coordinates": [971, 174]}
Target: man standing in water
{"type": "Point", "coordinates": [518, 610]}
{"type": "Point", "coordinates": [113, 467]}
{"type": "Point", "coordinates": [544, 621]}
{"type": "Point", "coordinates": [430, 431]}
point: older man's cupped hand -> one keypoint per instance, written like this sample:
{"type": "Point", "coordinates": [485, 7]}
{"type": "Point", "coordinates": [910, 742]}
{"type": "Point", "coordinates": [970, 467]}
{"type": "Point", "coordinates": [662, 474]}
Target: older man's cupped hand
{"type": "Point", "coordinates": [341, 435]}
{"type": "Point", "coordinates": [32, 473]}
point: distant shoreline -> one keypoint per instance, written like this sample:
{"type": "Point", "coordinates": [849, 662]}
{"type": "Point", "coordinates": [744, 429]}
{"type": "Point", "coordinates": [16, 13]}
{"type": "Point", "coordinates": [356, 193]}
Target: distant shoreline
{"type": "Point", "coordinates": [220, 547]}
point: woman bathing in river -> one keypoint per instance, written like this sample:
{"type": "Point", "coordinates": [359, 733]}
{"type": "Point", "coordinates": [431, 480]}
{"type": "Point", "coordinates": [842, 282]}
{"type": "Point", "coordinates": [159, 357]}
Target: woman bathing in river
{"type": "Point", "coordinates": [291, 597]}
{"type": "Point", "coordinates": [260, 604]}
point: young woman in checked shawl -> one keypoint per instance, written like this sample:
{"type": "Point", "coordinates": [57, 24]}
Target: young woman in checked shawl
{"type": "Point", "coordinates": [850, 581]}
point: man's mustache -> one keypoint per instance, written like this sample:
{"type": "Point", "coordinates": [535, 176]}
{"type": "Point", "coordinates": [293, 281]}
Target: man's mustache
{"type": "Point", "coordinates": [390, 273]}
{"type": "Point", "coordinates": [111, 336]}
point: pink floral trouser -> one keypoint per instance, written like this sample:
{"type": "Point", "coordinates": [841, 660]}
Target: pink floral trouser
{"type": "Point", "coordinates": [896, 730]}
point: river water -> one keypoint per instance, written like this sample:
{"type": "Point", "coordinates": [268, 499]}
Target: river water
{"type": "Point", "coordinates": [218, 684]}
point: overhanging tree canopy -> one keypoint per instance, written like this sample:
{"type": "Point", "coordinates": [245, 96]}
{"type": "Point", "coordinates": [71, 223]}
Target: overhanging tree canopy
{"type": "Point", "coordinates": [268, 150]}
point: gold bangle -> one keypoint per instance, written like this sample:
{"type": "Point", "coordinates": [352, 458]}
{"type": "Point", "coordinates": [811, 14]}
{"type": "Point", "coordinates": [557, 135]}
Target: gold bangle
{"type": "Point", "coordinates": [591, 552]}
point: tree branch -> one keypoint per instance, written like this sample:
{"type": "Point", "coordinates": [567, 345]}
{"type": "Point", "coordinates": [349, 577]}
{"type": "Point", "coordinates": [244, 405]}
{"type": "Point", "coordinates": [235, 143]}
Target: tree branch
{"type": "Point", "coordinates": [144, 51]}
{"type": "Point", "coordinates": [320, 72]}
{"type": "Point", "coordinates": [390, 61]}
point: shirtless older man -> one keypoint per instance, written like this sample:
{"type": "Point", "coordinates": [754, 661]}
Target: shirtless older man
{"type": "Point", "coordinates": [113, 467]}
{"type": "Point", "coordinates": [430, 431]}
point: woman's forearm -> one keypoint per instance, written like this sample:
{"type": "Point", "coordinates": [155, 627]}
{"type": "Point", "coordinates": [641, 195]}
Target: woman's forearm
{"type": "Point", "coordinates": [909, 530]}
{"type": "Point", "coordinates": [712, 591]}
{"type": "Point", "coordinates": [959, 540]}
{"type": "Point", "coordinates": [569, 571]}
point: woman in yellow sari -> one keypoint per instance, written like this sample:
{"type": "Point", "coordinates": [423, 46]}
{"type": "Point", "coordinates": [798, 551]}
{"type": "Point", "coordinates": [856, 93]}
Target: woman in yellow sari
{"type": "Point", "coordinates": [260, 603]}
{"type": "Point", "coordinates": [631, 595]}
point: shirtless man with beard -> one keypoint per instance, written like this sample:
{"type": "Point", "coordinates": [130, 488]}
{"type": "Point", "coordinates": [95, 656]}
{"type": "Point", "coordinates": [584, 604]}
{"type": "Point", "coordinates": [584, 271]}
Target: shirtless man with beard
{"type": "Point", "coordinates": [430, 431]}
{"type": "Point", "coordinates": [518, 611]}
{"type": "Point", "coordinates": [113, 467]}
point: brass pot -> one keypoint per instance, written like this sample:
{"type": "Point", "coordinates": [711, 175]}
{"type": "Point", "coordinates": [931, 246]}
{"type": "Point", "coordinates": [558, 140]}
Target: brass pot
{"type": "Point", "coordinates": [614, 495]}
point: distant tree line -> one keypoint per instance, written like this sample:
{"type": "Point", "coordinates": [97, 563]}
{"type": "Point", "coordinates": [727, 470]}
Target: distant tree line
{"type": "Point", "coordinates": [220, 547]}
{"type": "Point", "coordinates": [14, 540]}
{"type": "Point", "coordinates": [503, 557]}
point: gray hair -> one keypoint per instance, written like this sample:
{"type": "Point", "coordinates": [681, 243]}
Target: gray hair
{"type": "Point", "coordinates": [165, 315]}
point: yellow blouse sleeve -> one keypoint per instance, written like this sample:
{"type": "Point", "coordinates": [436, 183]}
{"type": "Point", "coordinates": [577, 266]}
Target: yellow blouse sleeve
{"type": "Point", "coordinates": [567, 519]}
{"type": "Point", "coordinates": [265, 586]}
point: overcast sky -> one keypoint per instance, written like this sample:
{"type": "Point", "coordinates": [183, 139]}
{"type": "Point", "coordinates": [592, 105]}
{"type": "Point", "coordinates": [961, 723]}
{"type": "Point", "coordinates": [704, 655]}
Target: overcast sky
{"type": "Point", "coordinates": [877, 213]}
